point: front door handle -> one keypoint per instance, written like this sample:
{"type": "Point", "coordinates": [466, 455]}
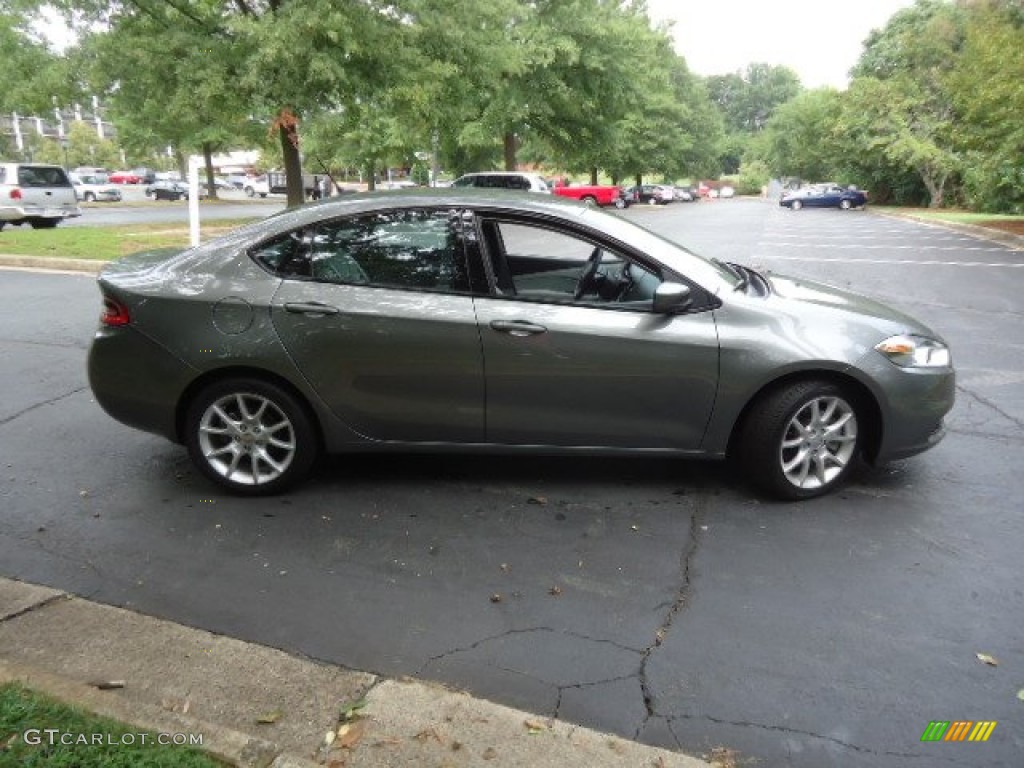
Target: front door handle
{"type": "Point", "coordinates": [518, 327]}
{"type": "Point", "coordinates": [311, 308]}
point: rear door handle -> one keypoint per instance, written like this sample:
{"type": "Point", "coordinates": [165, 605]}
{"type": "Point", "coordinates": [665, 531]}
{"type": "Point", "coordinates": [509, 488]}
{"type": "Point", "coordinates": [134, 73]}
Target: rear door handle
{"type": "Point", "coordinates": [517, 327]}
{"type": "Point", "coordinates": [312, 308]}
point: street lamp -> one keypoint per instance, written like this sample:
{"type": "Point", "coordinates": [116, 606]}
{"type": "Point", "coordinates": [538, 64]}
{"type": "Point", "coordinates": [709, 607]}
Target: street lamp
{"type": "Point", "coordinates": [64, 145]}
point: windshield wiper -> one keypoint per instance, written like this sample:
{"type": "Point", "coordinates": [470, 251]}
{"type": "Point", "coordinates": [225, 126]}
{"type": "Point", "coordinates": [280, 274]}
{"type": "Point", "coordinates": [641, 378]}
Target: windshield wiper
{"type": "Point", "coordinates": [743, 274]}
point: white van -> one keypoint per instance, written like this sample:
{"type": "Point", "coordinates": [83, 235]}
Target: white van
{"type": "Point", "coordinates": [36, 194]}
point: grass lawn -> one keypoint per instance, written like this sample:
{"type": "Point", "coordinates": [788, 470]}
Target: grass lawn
{"type": "Point", "coordinates": [1004, 222]}
{"type": "Point", "coordinates": [104, 243]}
{"type": "Point", "coordinates": [25, 716]}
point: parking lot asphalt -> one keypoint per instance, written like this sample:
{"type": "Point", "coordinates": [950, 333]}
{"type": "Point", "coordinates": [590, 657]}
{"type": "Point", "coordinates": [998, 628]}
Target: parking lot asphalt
{"type": "Point", "coordinates": [688, 614]}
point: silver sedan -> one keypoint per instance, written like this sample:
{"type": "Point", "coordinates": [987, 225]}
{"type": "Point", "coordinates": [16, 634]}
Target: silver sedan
{"type": "Point", "coordinates": [456, 320]}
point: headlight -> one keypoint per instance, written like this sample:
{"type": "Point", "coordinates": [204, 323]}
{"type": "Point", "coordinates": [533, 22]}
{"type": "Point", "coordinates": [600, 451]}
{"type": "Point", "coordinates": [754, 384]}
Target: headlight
{"type": "Point", "coordinates": [909, 351]}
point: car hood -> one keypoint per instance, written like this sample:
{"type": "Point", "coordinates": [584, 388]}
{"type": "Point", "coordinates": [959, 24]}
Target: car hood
{"type": "Point", "coordinates": [827, 302]}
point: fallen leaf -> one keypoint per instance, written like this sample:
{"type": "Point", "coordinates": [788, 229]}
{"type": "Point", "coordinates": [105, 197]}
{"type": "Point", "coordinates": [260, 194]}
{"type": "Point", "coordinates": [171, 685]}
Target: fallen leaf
{"type": "Point", "coordinates": [1020, 694]}
{"type": "Point", "coordinates": [534, 726]}
{"type": "Point", "coordinates": [536, 500]}
{"type": "Point", "coordinates": [350, 733]}
{"type": "Point", "coordinates": [84, 494]}
{"type": "Point", "coordinates": [329, 738]}
{"type": "Point", "coordinates": [269, 717]}
{"type": "Point", "coordinates": [985, 658]}
{"type": "Point", "coordinates": [555, 591]}
{"type": "Point", "coordinates": [456, 746]}
{"type": "Point", "coordinates": [490, 753]}
{"type": "Point", "coordinates": [495, 598]}
{"type": "Point", "coordinates": [659, 636]}
{"type": "Point", "coordinates": [634, 527]}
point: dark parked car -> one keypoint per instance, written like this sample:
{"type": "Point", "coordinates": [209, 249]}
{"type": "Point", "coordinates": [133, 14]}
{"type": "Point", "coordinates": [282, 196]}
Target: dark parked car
{"type": "Point", "coordinates": [824, 196]}
{"type": "Point", "coordinates": [172, 190]}
{"type": "Point", "coordinates": [467, 320]}
{"type": "Point", "coordinates": [653, 194]}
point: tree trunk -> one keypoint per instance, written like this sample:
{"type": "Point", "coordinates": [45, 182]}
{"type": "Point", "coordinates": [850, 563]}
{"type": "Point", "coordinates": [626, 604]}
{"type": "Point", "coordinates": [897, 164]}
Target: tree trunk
{"type": "Point", "coordinates": [639, 179]}
{"type": "Point", "coordinates": [511, 144]}
{"type": "Point", "coordinates": [593, 177]}
{"type": "Point", "coordinates": [211, 188]}
{"type": "Point", "coordinates": [289, 135]}
{"type": "Point", "coordinates": [934, 186]}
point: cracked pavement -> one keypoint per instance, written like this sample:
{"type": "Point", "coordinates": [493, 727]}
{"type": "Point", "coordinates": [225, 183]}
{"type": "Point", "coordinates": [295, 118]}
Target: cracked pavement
{"type": "Point", "coordinates": [655, 599]}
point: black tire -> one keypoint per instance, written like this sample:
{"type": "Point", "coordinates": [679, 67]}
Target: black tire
{"type": "Point", "coordinates": [801, 440]}
{"type": "Point", "coordinates": [250, 192]}
{"type": "Point", "coordinates": [845, 205]}
{"type": "Point", "coordinates": [620, 203]}
{"type": "Point", "coordinates": [89, 197]}
{"type": "Point", "coordinates": [2, 225]}
{"type": "Point", "coordinates": [42, 223]}
{"type": "Point", "coordinates": [797, 205]}
{"type": "Point", "coordinates": [653, 200]}
{"type": "Point", "coordinates": [250, 436]}
{"type": "Point", "coordinates": [589, 200]}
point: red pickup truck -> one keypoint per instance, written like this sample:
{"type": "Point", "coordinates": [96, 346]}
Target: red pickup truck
{"type": "Point", "coordinates": [601, 194]}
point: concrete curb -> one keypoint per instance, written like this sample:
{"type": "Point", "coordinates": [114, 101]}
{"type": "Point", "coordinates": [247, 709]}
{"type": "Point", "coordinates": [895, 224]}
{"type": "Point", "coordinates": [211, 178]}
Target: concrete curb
{"type": "Point", "coordinates": [985, 233]}
{"type": "Point", "coordinates": [258, 707]}
{"type": "Point", "coordinates": [54, 264]}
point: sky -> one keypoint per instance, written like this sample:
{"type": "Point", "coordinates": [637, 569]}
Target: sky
{"type": "Point", "coordinates": [819, 39]}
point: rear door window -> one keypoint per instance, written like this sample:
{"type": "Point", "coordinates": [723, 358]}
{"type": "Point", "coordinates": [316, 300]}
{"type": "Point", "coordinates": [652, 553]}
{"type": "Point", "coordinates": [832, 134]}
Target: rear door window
{"type": "Point", "coordinates": [42, 176]}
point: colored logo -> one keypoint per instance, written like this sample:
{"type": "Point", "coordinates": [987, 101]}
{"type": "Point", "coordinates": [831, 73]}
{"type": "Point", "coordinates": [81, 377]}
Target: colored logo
{"type": "Point", "coordinates": [958, 730]}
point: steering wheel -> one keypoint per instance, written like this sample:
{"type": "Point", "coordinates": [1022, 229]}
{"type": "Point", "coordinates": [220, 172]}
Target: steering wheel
{"type": "Point", "coordinates": [588, 274]}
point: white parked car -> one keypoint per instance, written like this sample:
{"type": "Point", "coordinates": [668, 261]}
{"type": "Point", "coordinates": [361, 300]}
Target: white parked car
{"type": "Point", "coordinates": [36, 194]}
{"type": "Point", "coordinates": [91, 189]}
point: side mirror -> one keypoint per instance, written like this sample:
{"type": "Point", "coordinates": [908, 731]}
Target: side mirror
{"type": "Point", "coordinates": [672, 298]}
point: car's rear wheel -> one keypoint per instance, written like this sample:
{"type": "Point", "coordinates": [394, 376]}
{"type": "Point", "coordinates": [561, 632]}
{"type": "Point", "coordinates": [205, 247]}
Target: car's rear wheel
{"type": "Point", "coordinates": [90, 197]}
{"type": "Point", "coordinates": [845, 205]}
{"type": "Point", "coordinates": [250, 192]}
{"type": "Point", "coordinates": [250, 436]}
{"type": "Point", "coordinates": [801, 440]}
{"type": "Point", "coordinates": [43, 223]}
{"type": "Point", "coordinates": [797, 205]}
{"type": "Point", "coordinates": [620, 202]}
{"type": "Point", "coordinates": [653, 200]}
{"type": "Point", "coordinates": [590, 201]}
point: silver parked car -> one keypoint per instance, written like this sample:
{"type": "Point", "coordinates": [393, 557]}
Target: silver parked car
{"type": "Point", "coordinates": [462, 320]}
{"type": "Point", "coordinates": [36, 194]}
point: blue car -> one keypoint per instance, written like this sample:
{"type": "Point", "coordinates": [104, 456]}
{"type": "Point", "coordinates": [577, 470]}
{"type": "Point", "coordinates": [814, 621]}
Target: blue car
{"type": "Point", "coordinates": [824, 196]}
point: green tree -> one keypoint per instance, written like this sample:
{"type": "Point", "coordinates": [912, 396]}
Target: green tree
{"type": "Point", "coordinates": [899, 109]}
{"type": "Point", "coordinates": [33, 78]}
{"type": "Point", "coordinates": [800, 140]}
{"type": "Point", "coordinates": [985, 86]}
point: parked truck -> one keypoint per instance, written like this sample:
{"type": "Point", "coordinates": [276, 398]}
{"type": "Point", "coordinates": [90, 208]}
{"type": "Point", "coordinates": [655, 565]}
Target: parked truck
{"type": "Point", "coordinates": [276, 183]}
{"type": "Point", "coordinates": [600, 194]}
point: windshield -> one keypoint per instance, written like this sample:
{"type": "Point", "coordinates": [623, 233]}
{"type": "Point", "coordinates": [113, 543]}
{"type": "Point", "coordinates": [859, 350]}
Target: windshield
{"type": "Point", "coordinates": [675, 255]}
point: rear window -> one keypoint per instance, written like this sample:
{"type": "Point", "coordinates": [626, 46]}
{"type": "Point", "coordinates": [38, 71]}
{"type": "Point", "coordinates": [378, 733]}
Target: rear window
{"type": "Point", "coordinates": [42, 176]}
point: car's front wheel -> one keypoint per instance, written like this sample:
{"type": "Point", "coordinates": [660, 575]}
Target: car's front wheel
{"type": "Point", "coordinates": [250, 436]}
{"type": "Point", "coordinates": [796, 205]}
{"type": "Point", "coordinates": [90, 197]}
{"type": "Point", "coordinates": [42, 223]}
{"type": "Point", "coordinates": [802, 440]}
{"type": "Point", "coordinates": [845, 205]}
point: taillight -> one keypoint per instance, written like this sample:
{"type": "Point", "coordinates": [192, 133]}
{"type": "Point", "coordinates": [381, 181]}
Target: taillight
{"type": "Point", "coordinates": [114, 312]}
{"type": "Point", "coordinates": [16, 193]}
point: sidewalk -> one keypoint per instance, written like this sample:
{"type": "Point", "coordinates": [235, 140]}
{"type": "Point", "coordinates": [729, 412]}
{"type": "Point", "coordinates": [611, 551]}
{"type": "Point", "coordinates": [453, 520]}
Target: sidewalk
{"type": "Point", "coordinates": [259, 707]}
